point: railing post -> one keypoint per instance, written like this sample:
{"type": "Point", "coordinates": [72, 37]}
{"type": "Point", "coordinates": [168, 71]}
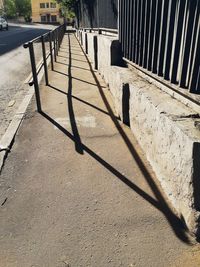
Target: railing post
{"type": "Point", "coordinates": [54, 42]}
{"type": "Point", "coordinates": [44, 60]}
{"type": "Point", "coordinates": [59, 37]}
{"type": "Point", "coordinates": [35, 79]}
{"type": "Point", "coordinates": [57, 45]}
{"type": "Point", "coordinates": [51, 50]}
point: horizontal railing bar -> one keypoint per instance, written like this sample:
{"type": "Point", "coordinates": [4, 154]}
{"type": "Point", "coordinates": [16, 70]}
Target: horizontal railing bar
{"type": "Point", "coordinates": [101, 29]}
{"type": "Point", "coordinates": [26, 45]}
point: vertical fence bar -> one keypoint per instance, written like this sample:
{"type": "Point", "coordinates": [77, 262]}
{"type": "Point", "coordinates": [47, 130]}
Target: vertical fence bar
{"type": "Point", "coordinates": [131, 30]}
{"type": "Point", "coordinates": [151, 33]}
{"type": "Point", "coordinates": [177, 40]}
{"type": "Point", "coordinates": [122, 24]}
{"type": "Point", "coordinates": [162, 42]}
{"type": "Point", "coordinates": [194, 80]}
{"type": "Point", "coordinates": [35, 79]}
{"type": "Point", "coordinates": [156, 36]}
{"type": "Point", "coordinates": [119, 21]}
{"type": "Point", "coordinates": [190, 28]}
{"type": "Point", "coordinates": [127, 27]}
{"type": "Point", "coordinates": [146, 33]}
{"type": "Point", "coordinates": [135, 30]}
{"type": "Point", "coordinates": [142, 24]}
{"type": "Point", "coordinates": [138, 31]}
{"type": "Point", "coordinates": [169, 39]}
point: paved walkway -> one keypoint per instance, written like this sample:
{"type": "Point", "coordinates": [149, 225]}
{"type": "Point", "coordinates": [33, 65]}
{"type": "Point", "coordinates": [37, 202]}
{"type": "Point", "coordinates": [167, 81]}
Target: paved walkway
{"type": "Point", "coordinates": [76, 190]}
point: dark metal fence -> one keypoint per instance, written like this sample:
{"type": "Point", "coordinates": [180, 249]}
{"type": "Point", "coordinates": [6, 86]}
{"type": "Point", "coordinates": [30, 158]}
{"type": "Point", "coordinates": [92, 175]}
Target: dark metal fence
{"type": "Point", "coordinates": [97, 13]}
{"type": "Point", "coordinates": [163, 36]}
{"type": "Point", "coordinates": [50, 43]}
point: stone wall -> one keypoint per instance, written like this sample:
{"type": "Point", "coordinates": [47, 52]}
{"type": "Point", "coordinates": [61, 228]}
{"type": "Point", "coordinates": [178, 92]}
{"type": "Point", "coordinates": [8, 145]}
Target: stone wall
{"type": "Point", "coordinates": [167, 130]}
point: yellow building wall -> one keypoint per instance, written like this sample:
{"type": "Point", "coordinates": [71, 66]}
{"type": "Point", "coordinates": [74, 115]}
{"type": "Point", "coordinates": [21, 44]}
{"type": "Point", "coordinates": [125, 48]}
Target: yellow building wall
{"type": "Point", "coordinates": [37, 12]}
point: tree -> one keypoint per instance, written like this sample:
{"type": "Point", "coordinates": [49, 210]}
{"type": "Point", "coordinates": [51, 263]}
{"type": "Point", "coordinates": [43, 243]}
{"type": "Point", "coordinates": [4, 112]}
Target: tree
{"type": "Point", "coordinates": [23, 7]}
{"type": "Point", "coordinates": [67, 8]}
{"type": "Point", "coordinates": [14, 8]}
{"type": "Point", "coordinates": [10, 8]}
{"type": "Point", "coordinates": [68, 4]}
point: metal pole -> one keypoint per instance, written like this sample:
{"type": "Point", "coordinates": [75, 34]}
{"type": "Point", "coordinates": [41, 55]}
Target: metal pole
{"type": "Point", "coordinates": [54, 42]}
{"type": "Point", "coordinates": [58, 35]}
{"type": "Point", "coordinates": [99, 31]}
{"type": "Point", "coordinates": [51, 50]}
{"type": "Point", "coordinates": [57, 43]}
{"type": "Point", "coordinates": [44, 60]}
{"type": "Point", "coordinates": [35, 79]}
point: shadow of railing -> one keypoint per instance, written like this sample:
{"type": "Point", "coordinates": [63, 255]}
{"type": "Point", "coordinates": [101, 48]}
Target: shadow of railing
{"type": "Point", "coordinates": [159, 203]}
{"type": "Point", "coordinates": [81, 100]}
{"type": "Point", "coordinates": [78, 144]}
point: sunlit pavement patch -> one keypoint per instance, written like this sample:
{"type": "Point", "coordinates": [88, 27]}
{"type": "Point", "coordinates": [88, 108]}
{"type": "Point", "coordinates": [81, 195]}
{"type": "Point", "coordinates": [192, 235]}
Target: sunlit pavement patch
{"type": "Point", "coordinates": [86, 121]}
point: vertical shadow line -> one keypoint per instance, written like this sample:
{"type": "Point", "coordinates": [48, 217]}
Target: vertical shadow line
{"type": "Point", "coordinates": [78, 143]}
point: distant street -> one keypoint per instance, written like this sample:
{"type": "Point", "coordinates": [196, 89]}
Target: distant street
{"type": "Point", "coordinates": [15, 66]}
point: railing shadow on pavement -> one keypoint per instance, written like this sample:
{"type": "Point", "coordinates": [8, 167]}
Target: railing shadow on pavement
{"type": "Point", "coordinates": [82, 101]}
{"type": "Point", "coordinates": [78, 143]}
{"type": "Point", "coordinates": [77, 67]}
{"type": "Point", "coordinates": [159, 203]}
{"type": "Point", "coordinates": [73, 59]}
{"type": "Point", "coordinates": [75, 78]}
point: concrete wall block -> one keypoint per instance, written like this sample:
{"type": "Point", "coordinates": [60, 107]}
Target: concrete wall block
{"type": "Point", "coordinates": [109, 52]}
{"type": "Point", "coordinates": [84, 40]}
{"type": "Point", "coordinates": [93, 49]}
{"type": "Point", "coordinates": [118, 80]}
{"type": "Point", "coordinates": [165, 130]}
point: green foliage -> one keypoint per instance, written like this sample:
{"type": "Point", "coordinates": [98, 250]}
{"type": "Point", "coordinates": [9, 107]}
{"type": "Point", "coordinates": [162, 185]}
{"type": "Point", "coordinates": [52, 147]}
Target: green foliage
{"type": "Point", "coordinates": [14, 8]}
{"type": "Point", "coordinates": [23, 7]}
{"type": "Point", "coordinates": [67, 8]}
{"type": "Point", "coordinates": [69, 4]}
{"type": "Point", "coordinates": [10, 8]}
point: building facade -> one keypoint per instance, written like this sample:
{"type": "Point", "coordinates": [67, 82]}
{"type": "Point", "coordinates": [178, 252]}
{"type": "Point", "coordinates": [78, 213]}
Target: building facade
{"type": "Point", "coordinates": [46, 11]}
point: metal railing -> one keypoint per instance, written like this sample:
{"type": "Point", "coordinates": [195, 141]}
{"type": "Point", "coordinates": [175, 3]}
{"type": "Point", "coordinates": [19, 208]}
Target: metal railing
{"type": "Point", "coordinates": [163, 37]}
{"type": "Point", "coordinates": [54, 39]}
{"type": "Point", "coordinates": [100, 30]}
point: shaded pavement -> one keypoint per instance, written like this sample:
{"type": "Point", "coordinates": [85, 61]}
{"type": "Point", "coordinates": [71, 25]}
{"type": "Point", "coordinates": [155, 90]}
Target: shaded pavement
{"type": "Point", "coordinates": [76, 190]}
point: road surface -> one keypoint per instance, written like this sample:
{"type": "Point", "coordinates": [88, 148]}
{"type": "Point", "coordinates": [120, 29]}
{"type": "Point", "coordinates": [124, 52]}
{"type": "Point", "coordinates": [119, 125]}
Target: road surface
{"type": "Point", "coordinates": [15, 67]}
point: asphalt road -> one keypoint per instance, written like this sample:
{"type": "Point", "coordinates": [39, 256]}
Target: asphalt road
{"type": "Point", "coordinates": [15, 66]}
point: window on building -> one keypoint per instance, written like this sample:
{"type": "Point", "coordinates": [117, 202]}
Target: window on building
{"type": "Point", "coordinates": [53, 5]}
{"type": "Point", "coordinates": [53, 18]}
{"type": "Point", "coordinates": [43, 19]}
{"type": "Point", "coordinates": [47, 5]}
{"type": "Point", "coordinates": [42, 5]}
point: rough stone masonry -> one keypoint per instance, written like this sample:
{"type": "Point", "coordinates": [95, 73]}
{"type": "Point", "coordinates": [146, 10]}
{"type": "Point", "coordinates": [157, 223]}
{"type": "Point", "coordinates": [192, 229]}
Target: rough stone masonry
{"type": "Point", "coordinates": [166, 129]}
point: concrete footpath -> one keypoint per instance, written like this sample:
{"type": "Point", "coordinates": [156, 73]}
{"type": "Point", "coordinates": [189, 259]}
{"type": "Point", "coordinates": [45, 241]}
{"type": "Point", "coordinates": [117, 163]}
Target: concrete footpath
{"type": "Point", "coordinates": [76, 189]}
